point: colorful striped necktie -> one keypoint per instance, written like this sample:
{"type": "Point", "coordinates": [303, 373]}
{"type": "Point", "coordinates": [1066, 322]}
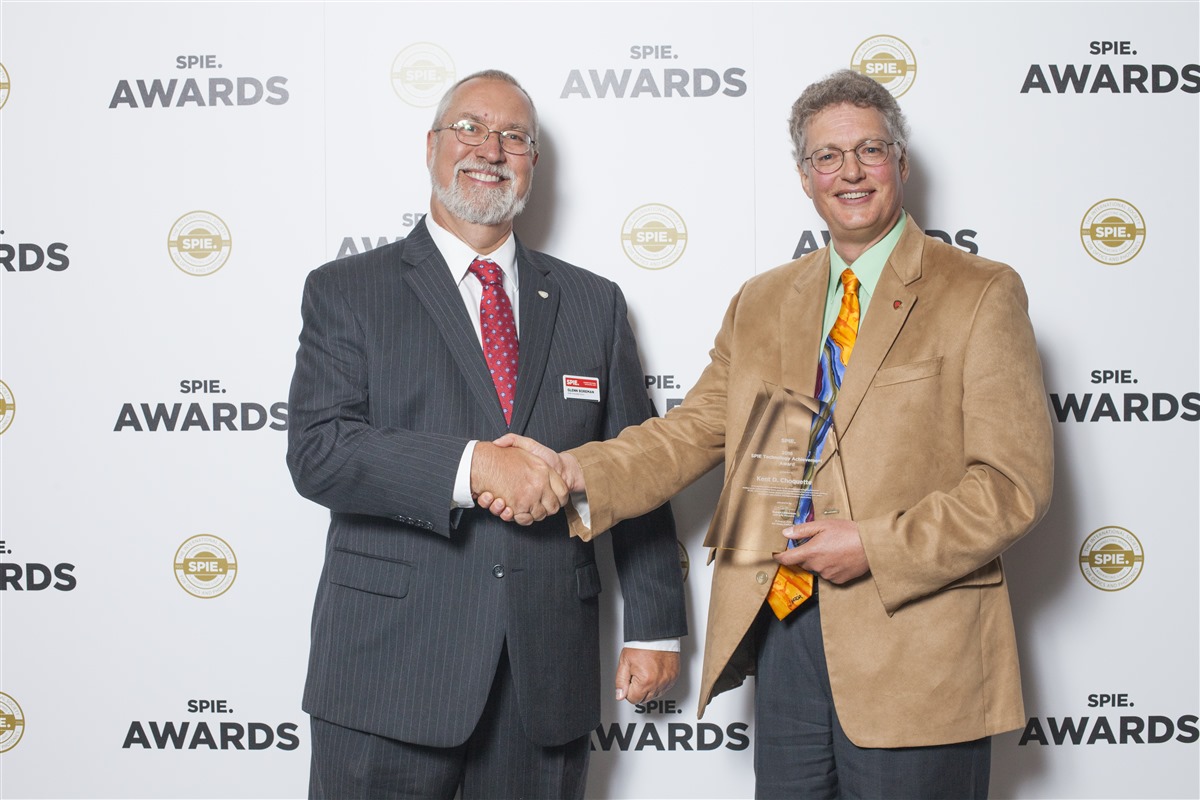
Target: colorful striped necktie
{"type": "Point", "coordinates": [498, 331]}
{"type": "Point", "coordinates": [793, 586]}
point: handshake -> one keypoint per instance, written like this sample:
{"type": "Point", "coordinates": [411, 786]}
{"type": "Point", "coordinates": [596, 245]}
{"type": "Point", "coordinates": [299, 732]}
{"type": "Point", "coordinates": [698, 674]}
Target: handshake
{"type": "Point", "coordinates": [521, 480]}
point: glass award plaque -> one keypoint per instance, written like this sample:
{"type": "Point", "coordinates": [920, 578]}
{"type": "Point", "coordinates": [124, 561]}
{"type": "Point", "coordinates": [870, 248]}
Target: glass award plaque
{"type": "Point", "coordinates": [768, 475]}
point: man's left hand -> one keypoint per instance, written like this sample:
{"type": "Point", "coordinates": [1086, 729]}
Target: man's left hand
{"type": "Point", "coordinates": [645, 674]}
{"type": "Point", "coordinates": [834, 550]}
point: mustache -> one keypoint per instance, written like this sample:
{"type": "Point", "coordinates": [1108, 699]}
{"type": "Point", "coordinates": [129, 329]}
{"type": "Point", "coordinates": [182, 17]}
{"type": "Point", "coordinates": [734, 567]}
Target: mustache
{"type": "Point", "coordinates": [479, 165]}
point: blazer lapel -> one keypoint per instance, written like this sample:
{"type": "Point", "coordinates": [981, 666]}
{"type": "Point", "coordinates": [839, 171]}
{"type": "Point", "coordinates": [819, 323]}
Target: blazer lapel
{"type": "Point", "coordinates": [800, 326]}
{"type": "Point", "coordinates": [426, 273]}
{"type": "Point", "coordinates": [890, 306]}
{"type": "Point", "coordinates": [538, 310]}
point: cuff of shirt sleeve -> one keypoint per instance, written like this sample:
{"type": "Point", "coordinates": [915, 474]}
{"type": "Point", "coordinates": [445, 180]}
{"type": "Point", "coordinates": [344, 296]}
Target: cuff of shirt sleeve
{"type": "Point", "coordinates": [462, 479]}
{"type": "Point", "coordinates": [580, 502]}
{"type": "Point", "coordinates": [664, 645]}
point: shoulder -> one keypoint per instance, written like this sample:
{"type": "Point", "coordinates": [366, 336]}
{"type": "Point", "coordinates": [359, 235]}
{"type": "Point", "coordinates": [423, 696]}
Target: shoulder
{"type": "Point", "coordinates": [944, 264]}
{"type": "Point", "coordinates": [571, 278]}
{"type": "Point", "coordinates": [773, 285]}
{"type": "Point", "coordinates": [363, 270]}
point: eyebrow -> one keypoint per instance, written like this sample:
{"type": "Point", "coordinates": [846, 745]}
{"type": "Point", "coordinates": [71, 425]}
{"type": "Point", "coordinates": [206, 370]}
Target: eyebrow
{"type": "Point", "coordinates": [511, 126]}
{"type": "Point", "coordinates": [880, 138]}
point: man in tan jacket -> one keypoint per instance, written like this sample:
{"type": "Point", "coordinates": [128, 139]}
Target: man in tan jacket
{"type": "Point", "coordinates": [890, 679]}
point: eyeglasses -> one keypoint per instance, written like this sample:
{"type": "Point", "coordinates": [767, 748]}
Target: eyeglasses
{"type": "Point", "coordinates": [870, 153]}
{"type": "Point", "coordinates": [517, 143]}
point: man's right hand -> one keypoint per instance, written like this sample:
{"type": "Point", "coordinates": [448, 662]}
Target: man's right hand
{"type": "Point", "coordinates": [564, 464]}
{"type": "Point", "coordinates": [531, 489]}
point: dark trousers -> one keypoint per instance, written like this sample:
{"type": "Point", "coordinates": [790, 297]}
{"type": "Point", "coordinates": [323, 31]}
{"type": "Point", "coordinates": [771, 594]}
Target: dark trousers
{"type": "Point", "coordinates": [497, 761]}
{"type": "Point", "coordinates": [801, 751]}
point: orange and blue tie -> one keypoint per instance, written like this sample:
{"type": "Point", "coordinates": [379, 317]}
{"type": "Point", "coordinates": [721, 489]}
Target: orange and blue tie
{"type": "Point", "coordinates": [793, 586]}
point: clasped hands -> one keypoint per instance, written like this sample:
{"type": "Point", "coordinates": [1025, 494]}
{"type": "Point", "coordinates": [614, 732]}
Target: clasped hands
{"type": "Point", "coordinates": [523, 481]}
{"type": "Point", "coordinates": [520, 480]}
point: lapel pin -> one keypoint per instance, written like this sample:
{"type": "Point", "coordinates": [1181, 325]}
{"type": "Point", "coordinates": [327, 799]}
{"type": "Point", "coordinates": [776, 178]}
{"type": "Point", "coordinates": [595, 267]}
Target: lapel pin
{"type": "Point", "coordinates": [542, 294]}
{"type": "Point", "coordinates": [896, 304]}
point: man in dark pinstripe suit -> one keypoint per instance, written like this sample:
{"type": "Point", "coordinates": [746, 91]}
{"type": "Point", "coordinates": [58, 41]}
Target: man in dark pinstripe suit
{"type": "Point", "coordinates": [451, 650]}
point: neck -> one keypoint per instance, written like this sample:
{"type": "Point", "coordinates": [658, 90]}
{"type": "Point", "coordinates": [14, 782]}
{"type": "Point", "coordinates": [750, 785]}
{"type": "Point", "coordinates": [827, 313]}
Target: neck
{"type": "Point", "coordinates": [483, 239]}
{"type": "Point", "coordinates": [850, 251]}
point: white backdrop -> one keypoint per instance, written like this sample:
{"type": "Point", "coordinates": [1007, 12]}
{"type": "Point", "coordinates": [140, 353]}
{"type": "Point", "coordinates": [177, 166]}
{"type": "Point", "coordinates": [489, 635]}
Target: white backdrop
{"type": "Point", "coordinates": [137, 660]}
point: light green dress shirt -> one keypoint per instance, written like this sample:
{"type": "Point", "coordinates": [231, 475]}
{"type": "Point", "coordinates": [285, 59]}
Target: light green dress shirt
{"type": "Point", "coordinates": [868, 267]}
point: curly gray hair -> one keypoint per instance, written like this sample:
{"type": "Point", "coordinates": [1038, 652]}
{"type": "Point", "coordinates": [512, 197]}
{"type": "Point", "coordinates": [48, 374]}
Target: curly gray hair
{"type": "Point", "coordinates": [845, 86]}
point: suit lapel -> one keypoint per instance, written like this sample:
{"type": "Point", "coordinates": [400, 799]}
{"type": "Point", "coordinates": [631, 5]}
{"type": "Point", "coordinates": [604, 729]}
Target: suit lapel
{"type": "Point", "coordinates": [426, 273]}
{"type": "Point", "coordinates": [538, 310]}
{"type": "Point", "coordinates": [800, 326]}
{"type": "Point", "coordinates": [891, 304]}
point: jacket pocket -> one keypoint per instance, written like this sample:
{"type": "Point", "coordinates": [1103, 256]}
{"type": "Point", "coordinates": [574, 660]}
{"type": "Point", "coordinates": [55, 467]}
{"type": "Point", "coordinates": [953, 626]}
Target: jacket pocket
{"type": "Point", "coordinates": [587, 580]}
{"type": "Point", "coordinates": [989, 574]}
{"type": "Point", "coordinates": [908, 372]}
{"type": "Point", "coordinates": [369, 574]}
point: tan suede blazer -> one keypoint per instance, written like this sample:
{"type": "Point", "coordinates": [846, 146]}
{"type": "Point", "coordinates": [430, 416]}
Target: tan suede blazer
{"type": "Point", "coordinates": [943, 456]}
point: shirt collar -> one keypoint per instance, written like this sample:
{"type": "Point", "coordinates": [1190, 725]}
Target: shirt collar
{"type": "Point", "coordinates": [459, 254]}
{"type": "Point", "coordinates": [869, 266]}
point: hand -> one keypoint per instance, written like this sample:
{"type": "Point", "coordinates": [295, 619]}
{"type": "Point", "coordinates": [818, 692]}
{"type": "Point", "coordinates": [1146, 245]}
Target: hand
{"type": "Point", "coordinates": [645, 674]}
{"type": "Point", "coordinates": [834, 550]}
{"type": "Point", "coordinates": [532, 490]}
{"type": "Point", "coordinates": [563, 463]}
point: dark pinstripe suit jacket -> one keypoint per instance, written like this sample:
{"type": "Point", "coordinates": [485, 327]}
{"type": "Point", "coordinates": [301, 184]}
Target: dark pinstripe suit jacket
{"type": "Point", "coordinates": [416, 600]}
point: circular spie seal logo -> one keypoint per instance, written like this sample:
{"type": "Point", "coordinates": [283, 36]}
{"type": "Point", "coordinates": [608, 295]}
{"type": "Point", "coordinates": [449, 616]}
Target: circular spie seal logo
{"type": "Point", "coordinates": [12, 723]}
{"type": "Point", "coordinates": [685, 563]}
{"type": "Point", "coordinates": [1113, 231]}
{"type": "Point", "coordinates": [654, 236]}
{"type": "Point", "coordinates": [4, 86]}
{"type": "Point", "coordinates": [1111, 559]}
{"type": "Point", "coordinates": [8, 407]}
{"type": "Point", "coordinates": [889, 61]}
{"type": "Point", "coordinates": [421, 73]}
{"type": "Point", "coordinates": [199, 243]}
{"type": "Point", "coordinates": [205, 566]}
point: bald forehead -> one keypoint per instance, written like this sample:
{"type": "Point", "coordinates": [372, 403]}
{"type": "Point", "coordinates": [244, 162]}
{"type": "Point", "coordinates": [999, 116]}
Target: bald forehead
{"type": "Point", "coordinates": [498, 103]}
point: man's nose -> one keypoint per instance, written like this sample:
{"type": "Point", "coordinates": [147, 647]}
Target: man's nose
{"type": "Point", "coordinates": [490, 148]}
{"type": "Point", "coordinates": [852, 168]}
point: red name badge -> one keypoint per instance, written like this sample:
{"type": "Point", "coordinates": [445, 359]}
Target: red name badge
{"type": "Point", "coordinates": [581, 387]}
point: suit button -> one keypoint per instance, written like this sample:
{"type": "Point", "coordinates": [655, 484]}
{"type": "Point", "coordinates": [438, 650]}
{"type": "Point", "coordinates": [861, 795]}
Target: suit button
{"type": "Point", "coordinates": [498, 571]}
{"type": "Point", "coordinates": [761, 577]}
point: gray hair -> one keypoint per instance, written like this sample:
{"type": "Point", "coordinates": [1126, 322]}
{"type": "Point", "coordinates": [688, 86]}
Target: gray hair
{"type": "Point", "coordinates": [845, 86]}
{"type": "Point", "coordinates": [490, 75]}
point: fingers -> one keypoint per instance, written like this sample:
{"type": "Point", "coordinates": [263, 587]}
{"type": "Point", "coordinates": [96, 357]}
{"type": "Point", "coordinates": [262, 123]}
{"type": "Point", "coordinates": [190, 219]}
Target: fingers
{"type": "Point", "coordinates": [517, 479]}
{"type": "Point", "coordinates": [559, 489]}
{"type": "Point", "coordinates": [572, 472]}
{"type": "Point", "coordinates": [645, 674]}
{"type": "Point", "coordinates": [496, 506]}
{"type": "Point", "coordinates": [831, 549]}
{"type": "Point", "coordinates": [791, 557]}
{"type": "Point", "coordinates": [622, 678]}
{"type": "Point", "coordinates": [802, 532]}
{"type": "Point", "coordinates": [522, 479]}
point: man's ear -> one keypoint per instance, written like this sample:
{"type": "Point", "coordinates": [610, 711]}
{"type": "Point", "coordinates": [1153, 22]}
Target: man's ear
{"type": "Point", "coordinates": [805, 181]}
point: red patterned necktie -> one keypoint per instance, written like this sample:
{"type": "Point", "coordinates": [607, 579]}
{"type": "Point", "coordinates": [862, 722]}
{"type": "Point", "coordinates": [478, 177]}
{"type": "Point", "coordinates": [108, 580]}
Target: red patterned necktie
{"type": "Point", "coordinates": [793, 586]}
{"type": "Point", "coordinates": [499, 333]}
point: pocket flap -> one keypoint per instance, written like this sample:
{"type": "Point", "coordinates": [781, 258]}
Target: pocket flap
{"type": "Point", "coordinates": [989, 574]}
{"type": "Point", "coordinates": [903, 373]}
{"type": "Point", "coordinates": [587, 580]}
{"type": "Point", "coordinates": [369, 574]}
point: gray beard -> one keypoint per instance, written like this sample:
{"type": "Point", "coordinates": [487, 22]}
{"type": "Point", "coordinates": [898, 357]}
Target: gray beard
{"type": "Point", "coordinates": [482, 207]}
